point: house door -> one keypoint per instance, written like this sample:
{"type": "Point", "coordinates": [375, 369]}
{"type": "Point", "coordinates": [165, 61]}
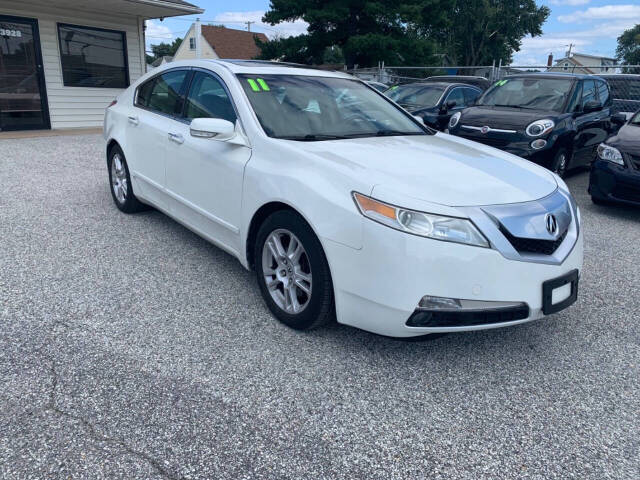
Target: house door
{"type": "Point", "coordinates": [23, 102]}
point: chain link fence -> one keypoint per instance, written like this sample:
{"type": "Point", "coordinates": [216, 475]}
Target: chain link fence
{"type": "Point", "coordinates": [624, 80]}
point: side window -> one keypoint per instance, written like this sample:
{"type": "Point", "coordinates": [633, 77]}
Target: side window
{"type": "Point", "coordinates": [575, 102]}
{"type": "Point", "coordinates": [207, 98]}
{"type": "Point", "coordinates": [166, 93]}
{"type": "Point", "coordinates": [588, 91]}
{"type": "Point", "coordinates": [144, 92]}
{"type": "Point", "coordinates": [456, 95]}
{"type": "Point", "coordinates": [471, 95]}
{"type": "Point", "coordinates": [603, 93]}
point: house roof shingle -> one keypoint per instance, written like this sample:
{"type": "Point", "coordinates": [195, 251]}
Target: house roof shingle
{"type": "Point", "coordinates": [230, 43]}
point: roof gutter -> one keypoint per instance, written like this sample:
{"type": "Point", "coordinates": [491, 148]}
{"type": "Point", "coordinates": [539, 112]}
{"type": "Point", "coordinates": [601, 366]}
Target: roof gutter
{"type": "Point", "coordinates": [184, 8]}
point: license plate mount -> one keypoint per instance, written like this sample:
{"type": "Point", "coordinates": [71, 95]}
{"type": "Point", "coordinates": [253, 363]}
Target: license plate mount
{"type": "Point", "coordinates": [548, 307]}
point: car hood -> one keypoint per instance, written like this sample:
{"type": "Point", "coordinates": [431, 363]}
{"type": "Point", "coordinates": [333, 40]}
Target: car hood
{"type": "Point", "coordinates": [437, 168]}
{"type": "Point", "coordinates": [627, 139]}
{"type": "Point", "coordinates": [503, 117]}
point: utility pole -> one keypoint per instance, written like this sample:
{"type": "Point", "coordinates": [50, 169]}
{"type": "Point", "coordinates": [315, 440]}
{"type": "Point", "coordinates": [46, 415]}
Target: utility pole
{"type": "Point", "coordinates": [571, 45]}
{"type": "Point", "coordinates": [249, 25]}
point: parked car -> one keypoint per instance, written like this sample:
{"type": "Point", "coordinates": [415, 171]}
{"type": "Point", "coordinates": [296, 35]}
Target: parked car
{"type": "Point", "coordinates": [480, 82]}
{"type": "Point", "coordinates": [554, 119]}
{"type": "Point", "coordinates": [354, 210]}
{"type": "Point", "coordinates": [381, 87]}
{"type": "Point", "coordinates": [615, 172]}
{"type": "Point", "coordinates": [625, 92]}
{"type": "Point", "coordinates": [434, 102]}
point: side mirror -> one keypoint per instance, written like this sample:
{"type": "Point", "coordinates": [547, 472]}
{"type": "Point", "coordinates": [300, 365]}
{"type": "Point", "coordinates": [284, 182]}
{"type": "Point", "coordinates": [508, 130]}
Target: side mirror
{"type": "Point", "coordinates": [451, 104]}
{"type": "Point", "coordinates": [619, 119]}
{"type": "Point", "coordinates": [592, 106]}
{"type": "Point", "coordinates": [215, 128]}
{"type": "Point", "coordinates": [419, 119]}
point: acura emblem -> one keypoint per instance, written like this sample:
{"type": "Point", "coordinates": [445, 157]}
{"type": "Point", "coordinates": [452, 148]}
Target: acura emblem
{"type": "Point", "coordinates": [484, 129]}
{"type": "Point", "coordinates": [551, 223]}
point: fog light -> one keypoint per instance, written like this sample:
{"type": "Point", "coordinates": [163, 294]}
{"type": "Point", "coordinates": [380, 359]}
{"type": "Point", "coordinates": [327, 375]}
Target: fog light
{"type": "Point", "coordinates": [538, 144]}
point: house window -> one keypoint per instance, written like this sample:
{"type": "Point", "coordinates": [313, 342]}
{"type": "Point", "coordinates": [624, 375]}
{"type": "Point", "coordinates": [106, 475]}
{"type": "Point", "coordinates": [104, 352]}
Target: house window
{"type": "Point", "coordinates": [192, 43]}
{"type": "Point", "coordinates": [565, 66]}
{"type": "Point", "coordinates": [93, 57]}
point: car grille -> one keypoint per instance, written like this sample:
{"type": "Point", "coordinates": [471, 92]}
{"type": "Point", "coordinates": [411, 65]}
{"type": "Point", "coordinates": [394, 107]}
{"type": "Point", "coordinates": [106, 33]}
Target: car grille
{"type": "Point", "coordinates": [533, 245]}
{"type": "Point", "coordinates": [635, 161]}
{"type": "Point", "coordinates": [492, 142]}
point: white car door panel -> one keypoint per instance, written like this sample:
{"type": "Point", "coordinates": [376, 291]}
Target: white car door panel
{"type": "Point", "coordinates": [148, 122]}
{"type": "Point", "coordinates": [205, 175]}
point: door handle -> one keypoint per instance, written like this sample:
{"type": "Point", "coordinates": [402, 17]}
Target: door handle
{"type": "Point", "coordinates": [176, 137]}
{"type": "Point", "coordinates": [133, 120]}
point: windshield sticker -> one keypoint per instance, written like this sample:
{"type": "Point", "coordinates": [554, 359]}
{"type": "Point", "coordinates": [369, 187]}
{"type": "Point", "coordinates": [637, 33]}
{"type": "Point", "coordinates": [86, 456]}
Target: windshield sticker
{"type": "Point", "coordinates": [501, 83]}
{"type": "Point", "coordinates": [395, 87]}
{"type": "Point", "coordinates": [253, 84]}
{"type": "Point", "coordinates": [263, 84]}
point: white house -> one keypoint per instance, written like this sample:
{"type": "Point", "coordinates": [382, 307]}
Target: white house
{"type": "Point", "coordinates": [583, 63]}
{"type": "Point", "coordinates": [219, 42]}
{"type": "Point", "coordinates": [63, 61]}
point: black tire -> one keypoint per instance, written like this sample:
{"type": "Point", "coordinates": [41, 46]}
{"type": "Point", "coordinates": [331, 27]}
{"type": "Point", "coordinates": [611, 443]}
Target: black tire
{"type": "Point", "coordinates": [128, 202]}
{"type": "Point", "coordinates": [600, 201]}
{"type": "Point", "coordinates": [560, 163]}
{"type": "Point", "coordinates": [319, 309]}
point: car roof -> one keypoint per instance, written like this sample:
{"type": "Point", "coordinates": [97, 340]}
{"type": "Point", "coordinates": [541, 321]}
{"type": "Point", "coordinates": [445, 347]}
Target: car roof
{"type": "Point", "coordinates": [276, 68]}
{"type": "Point", "coordinates": [440, 84]}
{"type": "Point", "coordinates": [580, 76]}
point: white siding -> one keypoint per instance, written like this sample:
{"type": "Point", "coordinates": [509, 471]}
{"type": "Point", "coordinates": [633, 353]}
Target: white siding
{"type": "Point", "coordinates": [184, 51]}
{"type": "Point", "coordinates": [73, 107]}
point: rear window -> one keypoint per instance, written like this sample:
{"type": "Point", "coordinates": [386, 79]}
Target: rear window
{"type": "Point", "coordinates": [164, 93]}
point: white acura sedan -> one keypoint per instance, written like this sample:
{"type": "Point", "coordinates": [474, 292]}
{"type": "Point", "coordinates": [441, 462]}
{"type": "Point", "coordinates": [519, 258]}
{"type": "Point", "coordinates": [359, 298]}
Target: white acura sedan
{"type": "Point", "coordinates": [346, 206]}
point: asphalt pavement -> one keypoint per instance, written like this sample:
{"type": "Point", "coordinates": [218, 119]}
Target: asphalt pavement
{"type": "Point", "coordinates": [131, 348]}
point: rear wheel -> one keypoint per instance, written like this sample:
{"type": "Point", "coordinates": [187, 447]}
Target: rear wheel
{"type": "Point", "coordinates": [120, 182]}
{"type": "Point", "coordinates": [293, 273]}
{"type": "Point", "coordinates": [560, 162]}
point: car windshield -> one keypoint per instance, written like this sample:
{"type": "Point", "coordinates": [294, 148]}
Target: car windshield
{"type": "Point", "coordinates": [418, 95]}
{"type": "Point", "coordinates": [635, 120]}
{"type": "Point", "coordinates": [309, 108]}
{"type": "Point", "coordinates": [529, 93]}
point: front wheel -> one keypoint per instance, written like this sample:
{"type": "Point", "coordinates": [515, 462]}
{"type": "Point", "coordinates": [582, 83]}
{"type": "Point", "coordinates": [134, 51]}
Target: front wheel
{"type": "Point", "coordinates": [560, 163]}
{"type": "Point", "coordinates": [293, 272]}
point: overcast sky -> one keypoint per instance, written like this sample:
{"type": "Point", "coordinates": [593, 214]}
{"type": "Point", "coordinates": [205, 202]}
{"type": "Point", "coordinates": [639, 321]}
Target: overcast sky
{"type": "Point", "coordinates": [591, 25]}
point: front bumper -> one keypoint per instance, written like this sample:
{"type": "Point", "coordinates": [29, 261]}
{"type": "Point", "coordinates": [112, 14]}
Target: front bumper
{"type": "Point", "coordinates": [378, 287]}
{"type": "Point", "coordinates": [514, 143]}
{"type": "Point", "coordinates": [616, 183]}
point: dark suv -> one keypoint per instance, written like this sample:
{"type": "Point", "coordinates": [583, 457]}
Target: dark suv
{"type": "Point", "coordinates": [554, 119]}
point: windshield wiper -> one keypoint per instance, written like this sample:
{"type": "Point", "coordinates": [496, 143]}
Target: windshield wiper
{"type": "Point", "coordinates": [313, 137]}
{"type": "Point", "coordinates": [509, 106]}
{"type": "Point", "coordinates": [383, 133]}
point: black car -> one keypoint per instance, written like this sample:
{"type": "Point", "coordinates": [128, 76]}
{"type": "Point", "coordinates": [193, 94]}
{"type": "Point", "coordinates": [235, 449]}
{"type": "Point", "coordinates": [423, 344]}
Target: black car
{"type": "Point", "coordinates": [615, 172]}
{"type": "Point", "coordinates": [625, 92]}
{"type": "Point", "coordinates": [434, 102]}
{"type": "Point", "coordinates": [480, 82]}
{"type": "Point", "coordinates": [554, 119]}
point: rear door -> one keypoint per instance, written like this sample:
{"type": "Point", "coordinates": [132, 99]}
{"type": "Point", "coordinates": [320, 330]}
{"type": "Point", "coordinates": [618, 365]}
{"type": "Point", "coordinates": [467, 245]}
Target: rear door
{"type": "Point", "coordinates": [204, 175]}
{"type": "Point", "coordinates": [157, 108]}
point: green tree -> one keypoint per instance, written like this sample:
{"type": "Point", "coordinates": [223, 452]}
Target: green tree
{"type": "Point", "coordinates": [476, 32]}
{"type": "Point", "coordinates": [628, 50]}
{"type": "Point", "coordinates": [366, 32]}
{"type": "Point", "coordinates": [164, 50]}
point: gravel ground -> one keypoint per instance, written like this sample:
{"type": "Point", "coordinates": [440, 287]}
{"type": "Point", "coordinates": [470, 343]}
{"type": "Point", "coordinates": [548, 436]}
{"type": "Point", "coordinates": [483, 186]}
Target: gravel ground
{"type": "Point", "coordinates": [131, 348]}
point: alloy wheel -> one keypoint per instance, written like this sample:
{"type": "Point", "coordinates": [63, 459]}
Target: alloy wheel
{"type": "Point", "coordinates": [119, 178]}
{"type": "Point", "coordinates": [287, 271]}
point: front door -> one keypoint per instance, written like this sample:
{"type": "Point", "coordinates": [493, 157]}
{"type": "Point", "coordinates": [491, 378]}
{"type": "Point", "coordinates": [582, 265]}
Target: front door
{"type": "Point", "coordinates": [205, 175]}
{"type": "Point", "coordinates": [23, 102]}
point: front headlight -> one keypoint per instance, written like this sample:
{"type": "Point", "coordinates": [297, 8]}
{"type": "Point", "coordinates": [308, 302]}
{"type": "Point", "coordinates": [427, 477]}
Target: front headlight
{"type": "Point", "coordinates": [455, 118]}
{"type": "Point", "coordinates": [607, 152]}
{"type": "Point", "coordinates": [539, 127]}
{"type": "Point", "coordinates": [437, 227]}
